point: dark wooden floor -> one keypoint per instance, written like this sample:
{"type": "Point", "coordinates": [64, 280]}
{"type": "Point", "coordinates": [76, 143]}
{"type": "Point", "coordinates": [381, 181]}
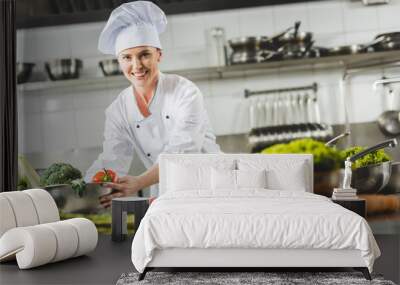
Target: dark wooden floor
{"type": "Point", "coordinates": [102, 266]}
{"type": "Point", "coordinates": [111, 259]}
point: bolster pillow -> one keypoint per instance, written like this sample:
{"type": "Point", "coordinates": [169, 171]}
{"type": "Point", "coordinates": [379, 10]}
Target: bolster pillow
{"type": "Point", "coordinates": [26, 208]}
{"type": "Point", "coordinates": [40, 244]}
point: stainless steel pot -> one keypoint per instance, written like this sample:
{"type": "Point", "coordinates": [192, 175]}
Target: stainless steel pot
{"type": "Point", "coordinates": [24, 71]}
{"type": "Point", "coordinates": [247, 44]}
{"type": "Point", "coordinates": [66, 68]}
{"type": "Point", "coordinates": [68, 201]}
{"type": "Point", "coordinates": [393, 185]}
{"type": "Point", "coordinates": [110, 67]}
{"type": "Point", "coordinates": [372, 178]}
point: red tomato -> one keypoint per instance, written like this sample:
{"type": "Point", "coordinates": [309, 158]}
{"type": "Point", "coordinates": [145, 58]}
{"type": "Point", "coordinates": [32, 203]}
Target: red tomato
{"type": "Point", "coordinates": [105, 175]}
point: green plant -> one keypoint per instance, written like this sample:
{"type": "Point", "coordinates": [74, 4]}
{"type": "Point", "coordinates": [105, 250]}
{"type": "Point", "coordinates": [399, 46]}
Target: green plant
{"type": "Point", "coordinates": [59, 173]}
{"type": "Point", "coordinates": [325, 158]}
{"type": "Point", "coordinates": [375, 157]}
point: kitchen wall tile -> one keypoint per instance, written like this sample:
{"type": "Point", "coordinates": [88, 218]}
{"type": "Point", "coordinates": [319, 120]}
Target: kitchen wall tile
{"type": "Point", "coordinates": [184, 58]}
{"type": "Point", "coordinates": [59, 131]}
{"type": "Point", "coordinates": [47, 43]}
{"type": "Point", "coordinates": [328, 76]}
{"type": "Point", "coordinates": [226, 19]}
{"type": "Point", "coordinates": [20, 46]}
{"type": "Point", "coordinates": [114, 92]}
{"type": "Point", "coordinates": [326, 17]}
{"type": "Point", "coordinates": [366, 76]}
{"type": "Point", "coordinates": [204, 86]}
{"type": "Point", "coordinates": [228, 114]}
{"type": "Point", "coordinates": [330, 40]}
{"type": "Point", "coordinates": [90, 127]}
{"type": "Point", "coordinates": [390, 72]}
{"type": "Point", "coordinates": [57, 102]}
{"type": "Point", "coordinates": [256, 21]}
{"type": "Point", "coordinates": [361, 37]}
{"type": "Point", "coordinates": [366, 106]}
{"type": "Point", "coordinates": [295, 78]}
{"type": "Point", "coordinates": [388, 16]}
{"type": "Point", "coordinates": [331, 104]}
{"type": "Point", "coordinates": [33, 140]}
{"type": "Point", "coordinates": [187, 30]}
{"type": "Point", "coordinates": [99, 99]}
{"type": "Point", "coordinates": [286, 15]}
{"type": "Point", "coordinates": [261, 81]}
{"type": "Point", "coordinates": [358, 17]}
{"type": "Point", "coordinates": [228, 87]}
{"type": "Point", "coordinates": [84, 39]}
{"type": "Point", "coordinates": [32, 102]}
{"type": "Point", "coordinates": [166, 38]}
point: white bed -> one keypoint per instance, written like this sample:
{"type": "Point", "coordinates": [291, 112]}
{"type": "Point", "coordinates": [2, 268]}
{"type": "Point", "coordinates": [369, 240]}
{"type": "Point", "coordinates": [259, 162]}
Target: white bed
{"type": "Point", "coordinates": [201, 220]}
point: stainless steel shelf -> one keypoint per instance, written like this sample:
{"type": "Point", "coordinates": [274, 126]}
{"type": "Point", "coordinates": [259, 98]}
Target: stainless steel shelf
{"type": "Point", "coordinates": [346, 62]}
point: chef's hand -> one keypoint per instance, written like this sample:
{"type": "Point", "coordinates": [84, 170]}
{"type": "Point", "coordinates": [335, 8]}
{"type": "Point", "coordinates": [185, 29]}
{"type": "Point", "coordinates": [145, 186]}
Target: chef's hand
{"type": "Point", "coordinates": [125, 186]}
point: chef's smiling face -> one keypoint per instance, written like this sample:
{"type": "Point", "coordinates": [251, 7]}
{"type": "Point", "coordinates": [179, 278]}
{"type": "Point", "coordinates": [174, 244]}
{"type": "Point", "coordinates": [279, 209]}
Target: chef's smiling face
{"type": "Point", "coordinates": [140, 64]}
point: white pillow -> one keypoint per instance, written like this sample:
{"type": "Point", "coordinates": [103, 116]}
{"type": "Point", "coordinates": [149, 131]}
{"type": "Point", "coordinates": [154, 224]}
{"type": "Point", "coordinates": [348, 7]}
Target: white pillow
{"type": "Point", "coordinates": [223, 179]}
{"type": "Point", "coordinates": [295, 181]}
{"type": "Point", "coordinates": [251, 178]}
{"type": "Point", "coordinates": [183, 177]}
{"type": "Point", "coordinates": [226, 179]}
{"type": "Point", "coordinates": [282, 174]}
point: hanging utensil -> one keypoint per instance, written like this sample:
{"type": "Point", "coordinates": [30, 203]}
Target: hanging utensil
{"type": "Point", "coordinates": [389, 121]}
{"type": "Point", "coordinates": [333, 141]}
{"type": "Point", "coordinates": [252, 114]}
{"type": "Point", "coordinates": [260, 113]}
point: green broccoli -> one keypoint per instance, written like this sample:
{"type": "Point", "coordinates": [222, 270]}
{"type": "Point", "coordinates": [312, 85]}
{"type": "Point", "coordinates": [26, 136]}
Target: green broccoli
{"type": "Point", "coordinates": [59, 173]}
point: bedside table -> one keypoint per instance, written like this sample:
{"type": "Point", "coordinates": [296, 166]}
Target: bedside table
{"type": "Point", "coordinates": [120, 208]}
{"type": "Point", "coordinates": [358, 206]}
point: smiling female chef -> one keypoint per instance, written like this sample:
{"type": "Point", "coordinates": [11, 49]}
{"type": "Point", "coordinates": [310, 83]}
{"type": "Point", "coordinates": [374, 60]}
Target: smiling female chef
{"type": "Point", "coordinates": [158, 113]}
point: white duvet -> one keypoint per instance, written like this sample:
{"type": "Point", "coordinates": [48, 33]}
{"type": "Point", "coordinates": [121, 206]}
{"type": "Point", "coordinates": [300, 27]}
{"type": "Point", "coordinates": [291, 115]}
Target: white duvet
{"type": "Point", "coordinates": [250, 219]}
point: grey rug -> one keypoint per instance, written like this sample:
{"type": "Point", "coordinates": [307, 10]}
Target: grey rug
{"type": "Point", "coordinates": [273, 278]}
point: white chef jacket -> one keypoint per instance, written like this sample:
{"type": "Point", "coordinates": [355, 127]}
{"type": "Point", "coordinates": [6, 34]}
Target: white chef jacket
{"type": "Point", "coordinates": [178, 124]}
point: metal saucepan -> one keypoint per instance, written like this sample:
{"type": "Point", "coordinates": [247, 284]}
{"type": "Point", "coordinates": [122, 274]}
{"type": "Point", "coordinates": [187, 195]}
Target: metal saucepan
{"type": "Point", "coordinates": [68, 201]}
{"type": "Point", "coordinates": [60, 69]}
{"type": "Point", "coordinates": [387, 41]}
{"type": "Point", "coordinates": [110, 67]}
{"type": "Point", "coordinates": [389, 121]}
{"type": "Point", "coordinates": [372, 178]}
{"type": "Point", "coordinates": [393, 185]}
{"type": "Point", "coordinates": [24, 71]}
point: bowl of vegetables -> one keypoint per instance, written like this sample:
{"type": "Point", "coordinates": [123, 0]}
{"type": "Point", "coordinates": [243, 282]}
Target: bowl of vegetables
{"type": "Point", "coordinates": [71, 194]}
{"type": "Point", "coordinates": [371, 172]}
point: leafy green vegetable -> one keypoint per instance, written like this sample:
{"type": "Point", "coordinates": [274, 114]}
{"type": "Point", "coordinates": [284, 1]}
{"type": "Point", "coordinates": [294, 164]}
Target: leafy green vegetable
{"type": "Point", "coordinates": [59, 173]}
{"type": "Point", "coordinates": [78, 185]}
{"type": "Point", "coordinates": [369, 159]}
{"type": "Point", "coordinates": [325, 158]}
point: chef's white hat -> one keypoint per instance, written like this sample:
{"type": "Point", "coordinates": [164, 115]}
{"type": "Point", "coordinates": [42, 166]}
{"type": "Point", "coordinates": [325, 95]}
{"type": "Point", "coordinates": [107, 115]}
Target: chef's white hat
{"type": "Point", "coordinates": [132, 24]}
